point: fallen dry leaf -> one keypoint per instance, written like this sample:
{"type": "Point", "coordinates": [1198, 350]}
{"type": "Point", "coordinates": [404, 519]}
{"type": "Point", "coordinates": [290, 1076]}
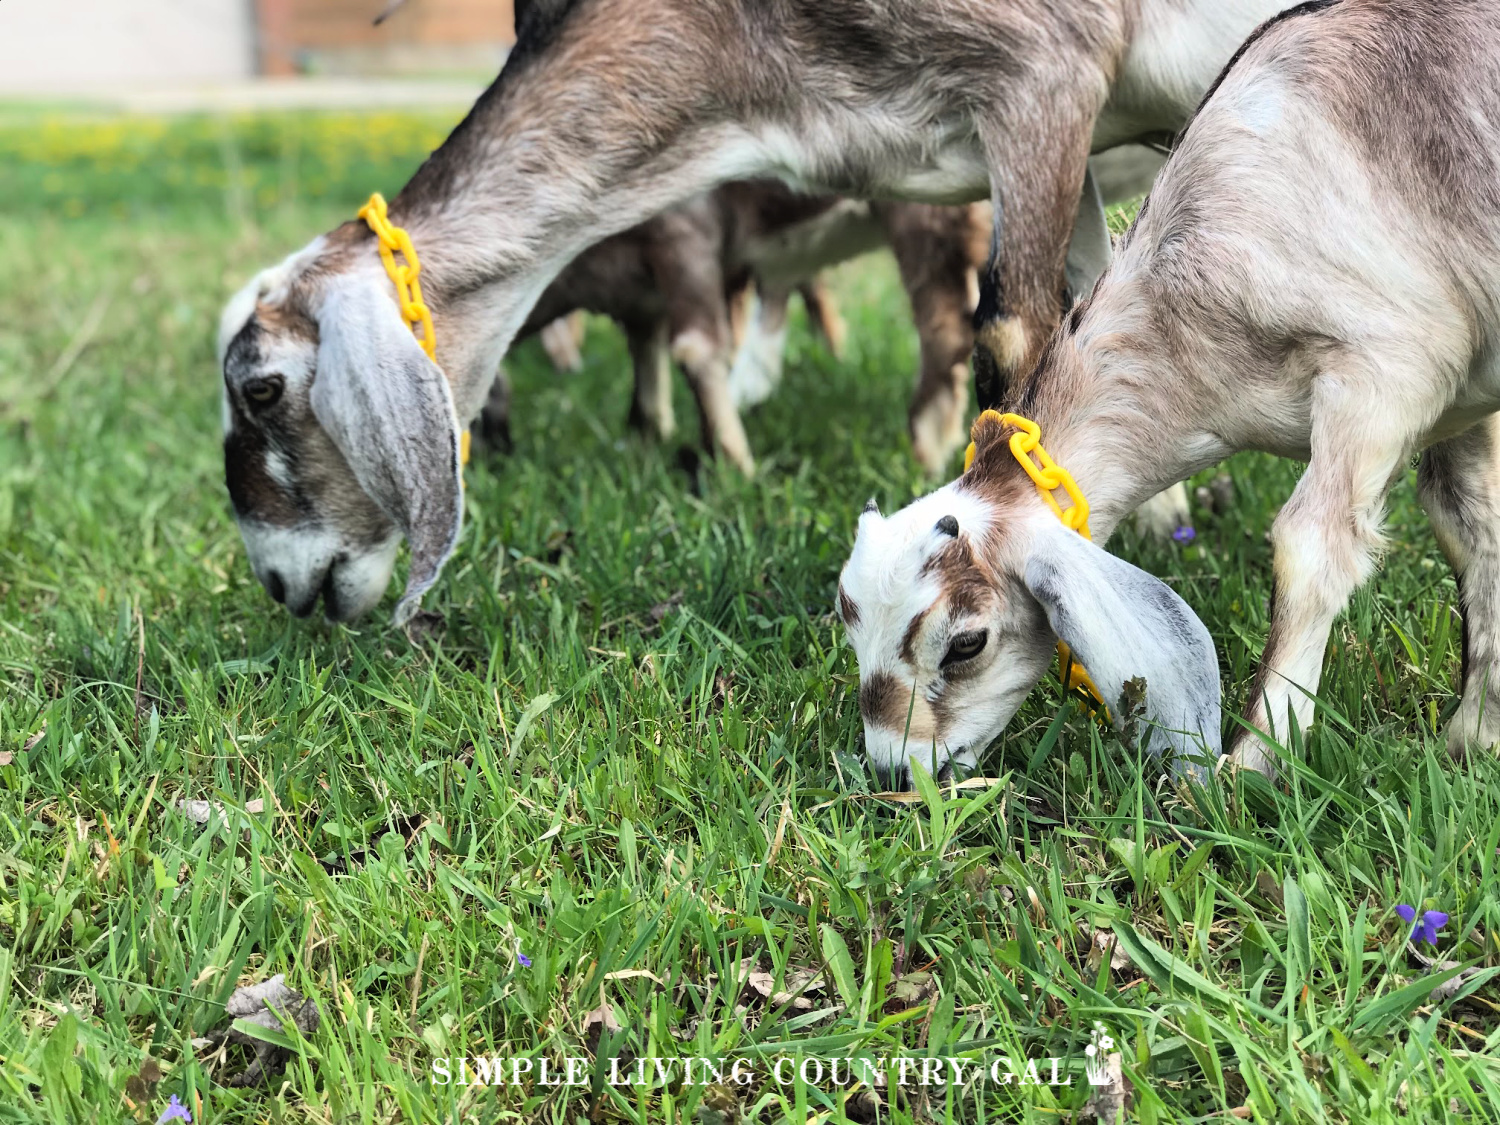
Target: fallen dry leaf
{"type": "Point", "coordinates": [910, 991]}
{"type": "Point", "coordinates": [35, 740]}
{"type": "Point", "coordinates": [201, 812]}
{"type": "Point", "coordinates": [1104, 944]}
{"type": "Point", "coordinates": [798, 983]}
{"type": "Point", "coordinates": [267, 1004]}
{"type": "Point", "coordinates": [1449, 988]}
{"type": "Point", "coordinates": [6, 757]}
{"type": "Point", "coordinates": [630, 974]}
{"type": "Point", "coordinates": [602, 1016]}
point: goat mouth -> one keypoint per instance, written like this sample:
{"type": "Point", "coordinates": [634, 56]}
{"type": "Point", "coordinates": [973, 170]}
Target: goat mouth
{"type": "Point", "coordinates": [329, 591]}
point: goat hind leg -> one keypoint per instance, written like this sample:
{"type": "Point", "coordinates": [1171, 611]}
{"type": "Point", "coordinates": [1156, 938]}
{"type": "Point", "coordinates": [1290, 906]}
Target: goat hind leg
{"type": "Point", "coordinates": [651, 405]}
{"type": "Point", "coordinates": [705, 360]}
{"type": "Point", "coordinates": [1459, 485]}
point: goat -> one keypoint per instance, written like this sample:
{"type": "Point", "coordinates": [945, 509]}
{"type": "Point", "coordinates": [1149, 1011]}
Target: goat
{"type": "Point", "coordinates": [342, 436]}
{"type": "Point", "coordinates": [680, 276]}
{"type": "Point", "coordinates": [673, 283]}
{"type": "Point", "coordinates": [1316, 274]}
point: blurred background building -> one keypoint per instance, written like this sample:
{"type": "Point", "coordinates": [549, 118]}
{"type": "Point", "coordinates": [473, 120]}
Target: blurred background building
{"type": "Point", "coordinates": [67, 47]}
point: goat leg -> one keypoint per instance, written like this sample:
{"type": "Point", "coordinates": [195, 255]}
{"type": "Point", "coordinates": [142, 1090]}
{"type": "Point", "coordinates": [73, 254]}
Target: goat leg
{"type": "Point", "coordinates": [1459, 485]}
{"type": "Point", "coordinates": [1326, 539]}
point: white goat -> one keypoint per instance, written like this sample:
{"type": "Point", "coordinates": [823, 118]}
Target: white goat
{"type": "Point", "coordinates": [1316, 274]}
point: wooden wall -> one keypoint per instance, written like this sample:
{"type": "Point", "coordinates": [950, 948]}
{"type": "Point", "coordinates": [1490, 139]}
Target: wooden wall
{"type": "Point", "coordinates": [299, 35]}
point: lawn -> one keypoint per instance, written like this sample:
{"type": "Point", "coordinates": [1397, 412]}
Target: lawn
{"type": "Point", "coordinates": [619, 799]}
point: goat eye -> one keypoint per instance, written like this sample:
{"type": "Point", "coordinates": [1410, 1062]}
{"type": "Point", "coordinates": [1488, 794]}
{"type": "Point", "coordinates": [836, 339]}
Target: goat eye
{"type": "Point", "coordinates": [966, 646]}
{"type": "Point", "coordinates": [264, 392]}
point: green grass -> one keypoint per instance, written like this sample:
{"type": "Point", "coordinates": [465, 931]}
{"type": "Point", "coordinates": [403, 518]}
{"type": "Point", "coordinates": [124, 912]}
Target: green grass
{"type": "Point", "coordinates": [561, 775]}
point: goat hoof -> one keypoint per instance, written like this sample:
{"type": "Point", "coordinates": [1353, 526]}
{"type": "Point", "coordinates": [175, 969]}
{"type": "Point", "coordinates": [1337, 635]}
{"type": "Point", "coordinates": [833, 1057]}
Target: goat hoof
{"type": "Point", "coordinates": [1473, 728]}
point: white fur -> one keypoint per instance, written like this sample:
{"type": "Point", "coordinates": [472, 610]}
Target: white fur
{"type": "Point", "coordinates": [758, 364]}
{"type": "Point", "coordinates": [302, 558]}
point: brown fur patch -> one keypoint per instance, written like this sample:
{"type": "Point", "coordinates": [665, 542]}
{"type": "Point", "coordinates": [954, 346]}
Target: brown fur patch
{"type": "Point", "coordinates": [848, 610]}
{"type": "Point", "coordinates": [883, 702]}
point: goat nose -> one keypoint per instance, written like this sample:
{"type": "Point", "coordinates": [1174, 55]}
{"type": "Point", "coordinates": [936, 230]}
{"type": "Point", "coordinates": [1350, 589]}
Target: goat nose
{"type": "Point", "coordinates": [893, 779]}
{"type": "Point", "coordinates": [275, 586]}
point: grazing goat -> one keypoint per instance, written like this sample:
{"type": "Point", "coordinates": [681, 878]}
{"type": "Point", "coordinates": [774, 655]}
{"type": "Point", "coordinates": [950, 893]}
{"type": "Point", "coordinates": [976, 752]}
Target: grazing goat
{"type": "Point", "coordinates": [1316, 274]}
{"type": "Point", "coordinates": [676, 278]}
{"type": "Point", "coordinates": [671, 285]}
{"type": "Point", "coordinates": [342, 435]}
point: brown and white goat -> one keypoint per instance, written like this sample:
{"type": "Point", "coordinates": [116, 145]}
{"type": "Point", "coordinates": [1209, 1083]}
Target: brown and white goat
{"type": "Point", "coordinates": [1316, 274]}
{"type": "Point", "coordinates": [342, 436]}
{"type": "Point", "coordinates": [671, 285]}
{"type": "Point", "coordinates": [676, 284]}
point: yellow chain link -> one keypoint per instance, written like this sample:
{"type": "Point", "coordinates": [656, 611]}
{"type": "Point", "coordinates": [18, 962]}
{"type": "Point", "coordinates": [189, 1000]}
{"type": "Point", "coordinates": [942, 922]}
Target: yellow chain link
{"type": "Point", "coordinates": [406, 278]}
{"type": "Point", "coordinates": [1048, 476]}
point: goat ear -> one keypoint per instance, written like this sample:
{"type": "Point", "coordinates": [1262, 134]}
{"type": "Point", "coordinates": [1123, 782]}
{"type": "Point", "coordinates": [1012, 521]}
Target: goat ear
{"type": "Point", "coordinates": [1147, 652]}
{"type": "Point", "coordinates": [389, 410]}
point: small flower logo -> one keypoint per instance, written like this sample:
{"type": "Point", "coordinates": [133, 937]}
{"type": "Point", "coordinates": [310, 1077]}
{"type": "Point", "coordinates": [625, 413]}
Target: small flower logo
{"type": "Point", "coordinates": [1100, 1045]}
{"type": "Point", "coordinates": [175, 1111]}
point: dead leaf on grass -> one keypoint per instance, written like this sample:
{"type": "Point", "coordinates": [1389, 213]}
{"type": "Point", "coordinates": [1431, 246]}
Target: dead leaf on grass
{"type": "Point", "coordinates": [1449, 988]}
{"type": "Point", "coordinates": [266, 1005]}
{"type": "Point", "coordinates": [1269, 887]}
{"type": "Point", "coordinates": [798, 983]}
{"type": "Point", "coordinates": [35, 740]}
{"type": "Point", "coordinates": [6, 757]}
{"type": "Point", "coordinates": [910, 991]}
{"type": "Point", "coordinates": [1104, 944]}
{"type": "Point", "coordinates": [201, 812]}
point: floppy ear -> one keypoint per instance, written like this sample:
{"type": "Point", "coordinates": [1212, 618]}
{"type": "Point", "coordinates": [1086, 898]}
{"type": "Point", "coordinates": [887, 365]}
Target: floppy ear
{"type": "Point", "coordinates": [1125, 627]}
{"type": "Point", "coordinates": [389, 410]}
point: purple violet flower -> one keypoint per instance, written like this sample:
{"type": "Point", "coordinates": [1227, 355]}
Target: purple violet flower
{"type": "Point", "coordinates": [1184, 534]}
{"type": "Point", "coordinates": [526, 961]}
{"type": "Point", "coordinates": [175, 1111]}
{"type": "Point", "coordinates": [1427, 929]}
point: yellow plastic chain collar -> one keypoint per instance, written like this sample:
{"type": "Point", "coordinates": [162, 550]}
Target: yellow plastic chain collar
{"type": "Point", "coordinates": [1048, 476]}
{"type": "Point", "coordinates": [408, 286]}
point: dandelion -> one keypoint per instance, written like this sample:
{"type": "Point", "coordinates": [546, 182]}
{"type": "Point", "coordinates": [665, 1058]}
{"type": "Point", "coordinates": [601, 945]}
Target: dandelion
{"type": "Point", "coordinates": [1427, 929]}
{"type": "Point", "coordinates": [1184, 534]}
{"type": "Point", "coordinates": [175, 1111]}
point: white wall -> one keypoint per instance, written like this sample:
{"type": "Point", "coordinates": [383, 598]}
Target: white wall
{"type": "Point", "coordinates": [70, 46]}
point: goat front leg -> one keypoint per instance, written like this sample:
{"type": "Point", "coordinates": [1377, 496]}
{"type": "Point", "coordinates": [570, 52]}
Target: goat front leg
{"type": "Point", "coordinates": [1326, 540]}
{"type": "Point", "coordinates": [1459, 484]}
{"type": "Point", "coordinates": [491, 430]}
{"type": "Point", "coordinates": [1037, 175]}
{"type": "Point", "coordinates": [651, 405]}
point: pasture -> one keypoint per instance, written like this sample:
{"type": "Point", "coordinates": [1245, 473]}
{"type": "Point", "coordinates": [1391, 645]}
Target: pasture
{"type": "Point", "coordinates": [627, 771]}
